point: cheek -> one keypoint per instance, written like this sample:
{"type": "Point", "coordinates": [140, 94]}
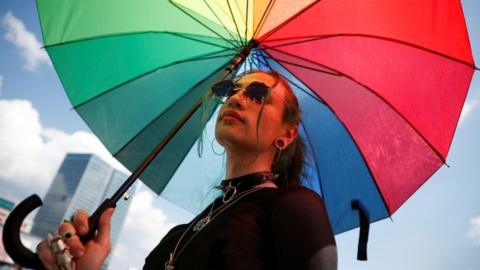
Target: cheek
{"type": "Point", "coordinates": [270, 127]}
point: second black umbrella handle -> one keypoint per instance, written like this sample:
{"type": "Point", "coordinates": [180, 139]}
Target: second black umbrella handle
{"type": "Point", "coordinates": [94, 219]}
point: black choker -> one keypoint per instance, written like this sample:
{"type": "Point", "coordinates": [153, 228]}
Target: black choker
{"type": "Point", "coordinates": [247, 181]}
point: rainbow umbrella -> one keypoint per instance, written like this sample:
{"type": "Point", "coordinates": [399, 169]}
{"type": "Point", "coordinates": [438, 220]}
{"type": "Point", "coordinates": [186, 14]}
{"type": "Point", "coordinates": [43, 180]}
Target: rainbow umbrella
{"type": "Point", "coordinates": [381, 85]}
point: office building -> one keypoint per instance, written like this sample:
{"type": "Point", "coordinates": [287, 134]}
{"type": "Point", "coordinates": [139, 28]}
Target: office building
{"type": "Point", "coordinates": [83, 181]}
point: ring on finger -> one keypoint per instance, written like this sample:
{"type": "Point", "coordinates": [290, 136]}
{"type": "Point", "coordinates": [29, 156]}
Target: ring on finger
{"type": "Point", "coordinates": [67, 236]}
{"type": "Point", "coordinates": [63, 257]}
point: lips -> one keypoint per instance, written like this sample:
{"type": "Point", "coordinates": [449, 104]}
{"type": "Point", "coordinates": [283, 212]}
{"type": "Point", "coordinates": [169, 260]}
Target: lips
{"type": "Point", "coordinates": [232, 114]}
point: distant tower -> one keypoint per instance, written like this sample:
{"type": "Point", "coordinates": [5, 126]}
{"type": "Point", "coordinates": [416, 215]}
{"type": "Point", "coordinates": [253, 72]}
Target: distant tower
{"type": "Point", "coordinates": [83, 181]}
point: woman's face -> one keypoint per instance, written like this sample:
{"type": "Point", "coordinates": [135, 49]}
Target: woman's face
{"type": "Point", "coordinates": [236, 126]}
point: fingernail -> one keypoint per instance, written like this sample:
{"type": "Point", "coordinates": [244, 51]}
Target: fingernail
{"type": "Point", "coordinates": [78, 254]}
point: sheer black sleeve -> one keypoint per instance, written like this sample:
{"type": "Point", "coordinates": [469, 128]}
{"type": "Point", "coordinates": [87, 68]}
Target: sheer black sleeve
{"type": "Point", "coordinates": [302, 237]}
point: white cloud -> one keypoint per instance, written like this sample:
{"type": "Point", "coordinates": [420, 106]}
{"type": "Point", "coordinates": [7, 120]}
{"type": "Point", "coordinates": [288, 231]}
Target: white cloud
{"type": "Point", "coordinates": [474, 230]}
{"type": "Point", "coordinates": [467, 109]}
{"type": "Point", "coordinates": [31, 154]}
{"type": "Point", "coordinates": [30, 48]}
{"type": "Point", "coordinates": [144, 227]}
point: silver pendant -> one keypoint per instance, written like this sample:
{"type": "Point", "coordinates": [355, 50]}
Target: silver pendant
{"type": "Point", "coordinates": [201, 223]}
{"type": "Point", "coordinates": [169, 263]}
{"type": "Point", "coordinates": [168, 266]}
{"type": "Point", "coordinates": [229, 193]}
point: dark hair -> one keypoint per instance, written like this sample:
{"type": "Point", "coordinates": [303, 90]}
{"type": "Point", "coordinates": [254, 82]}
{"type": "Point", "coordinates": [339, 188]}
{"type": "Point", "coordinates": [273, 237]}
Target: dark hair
{"type": "Point", "coordinates": [289, 162]}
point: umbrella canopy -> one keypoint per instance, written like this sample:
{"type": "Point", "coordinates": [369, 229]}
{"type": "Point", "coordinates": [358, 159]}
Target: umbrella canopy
{"type": "Point", "coordinates": [381, 85]}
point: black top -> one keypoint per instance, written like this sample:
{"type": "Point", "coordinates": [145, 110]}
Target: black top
{"type": "Point", "coordinates": [267, 229]}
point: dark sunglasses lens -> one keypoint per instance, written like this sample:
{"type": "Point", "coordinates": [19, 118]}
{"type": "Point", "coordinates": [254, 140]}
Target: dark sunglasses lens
{"type": "Point", "coordinates": [223, 88]}
{"type": "Point", "coordinates": [256, 91]}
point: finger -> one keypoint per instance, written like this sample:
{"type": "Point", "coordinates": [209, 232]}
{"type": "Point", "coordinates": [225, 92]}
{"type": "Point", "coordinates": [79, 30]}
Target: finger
{"type": "Point", "coordinates": [80, 221]}
{"type": "Point", "coordinates": [66, 230]}
{"type": "Point", "coordinates": [46, 256]}
{"type": "Point", "coordinates": [68, 233]}
{"type": "Point", "coordinates": [103, 236]}
{"type": "Point", "coordinates": [77, 249]}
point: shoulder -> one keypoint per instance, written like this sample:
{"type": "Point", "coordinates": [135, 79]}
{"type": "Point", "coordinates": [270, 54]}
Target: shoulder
{"type": "Point", "coordinates": [300, 227]}
{"type": "Point", "coordinates": [302, 205]}
{"type": "Point", "coordinates": [298, 197]}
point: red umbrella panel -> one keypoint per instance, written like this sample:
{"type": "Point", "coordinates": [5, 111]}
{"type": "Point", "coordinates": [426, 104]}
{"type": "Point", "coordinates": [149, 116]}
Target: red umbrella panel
{"type": "Point", "coordinates": [398, 75]}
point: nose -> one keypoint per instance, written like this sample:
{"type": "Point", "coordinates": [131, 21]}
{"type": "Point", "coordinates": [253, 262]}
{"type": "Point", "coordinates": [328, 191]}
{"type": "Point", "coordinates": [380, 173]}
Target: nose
{"type": "Point", "coordinates": [236, 101]}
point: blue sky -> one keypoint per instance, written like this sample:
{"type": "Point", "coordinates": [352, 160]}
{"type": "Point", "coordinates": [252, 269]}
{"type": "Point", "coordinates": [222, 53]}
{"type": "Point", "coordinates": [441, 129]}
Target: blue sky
{"type": "Point", "coordinates": [437, 228]}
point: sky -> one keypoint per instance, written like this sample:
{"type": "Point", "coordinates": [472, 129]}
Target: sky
{"type": "Point", "coordinates": [437, 228]}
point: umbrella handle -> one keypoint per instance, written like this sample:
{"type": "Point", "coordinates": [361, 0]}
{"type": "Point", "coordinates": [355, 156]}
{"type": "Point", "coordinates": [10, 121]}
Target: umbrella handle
{"type": "Point", "coordinates": [95, 218]}
{"type": "Point", "coordinates": [11, 230]}
{"type": "Point", "coordinates": [11, 234]}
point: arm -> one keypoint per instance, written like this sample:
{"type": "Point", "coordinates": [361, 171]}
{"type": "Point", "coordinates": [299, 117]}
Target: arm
{"type": "Point", "coordinates": [302, 237]}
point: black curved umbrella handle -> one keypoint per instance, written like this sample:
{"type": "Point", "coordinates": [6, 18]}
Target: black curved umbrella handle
{"type": "Point", "coordinates": [11, 234]}
{"type": "Point", "coordinates": [11, 230]}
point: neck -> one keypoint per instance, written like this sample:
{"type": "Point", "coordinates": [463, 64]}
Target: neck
{"type": "Point", "coordinates": [242, 163]}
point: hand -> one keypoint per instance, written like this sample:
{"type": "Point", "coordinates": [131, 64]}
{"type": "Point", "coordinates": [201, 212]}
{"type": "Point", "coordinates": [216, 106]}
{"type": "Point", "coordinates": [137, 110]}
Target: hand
{"type": "Point", "coordinates": [88, 256]}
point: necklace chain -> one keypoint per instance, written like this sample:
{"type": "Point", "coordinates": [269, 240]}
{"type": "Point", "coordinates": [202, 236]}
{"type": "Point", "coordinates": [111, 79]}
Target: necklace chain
{"type": "Point", "coordinates": [201, 223]}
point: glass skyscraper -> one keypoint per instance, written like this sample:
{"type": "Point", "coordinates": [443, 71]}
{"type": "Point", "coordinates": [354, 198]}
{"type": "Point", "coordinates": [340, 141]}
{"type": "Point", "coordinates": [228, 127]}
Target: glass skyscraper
{"type": "Point", "coordinates": [83, 181]}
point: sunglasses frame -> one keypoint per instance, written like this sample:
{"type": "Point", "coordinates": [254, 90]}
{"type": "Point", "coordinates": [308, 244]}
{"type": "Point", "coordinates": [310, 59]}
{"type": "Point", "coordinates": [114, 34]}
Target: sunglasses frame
{"type": "Point", "coordinates": [225, 89]}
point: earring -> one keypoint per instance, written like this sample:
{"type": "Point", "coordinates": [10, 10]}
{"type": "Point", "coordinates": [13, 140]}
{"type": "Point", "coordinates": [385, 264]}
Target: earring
{"type": "Point", "coordinates": [279, 152]}
{"type": "Point", "coordinates": [213, 148]}
{"type": "Point", "coordinates": [280, 144]}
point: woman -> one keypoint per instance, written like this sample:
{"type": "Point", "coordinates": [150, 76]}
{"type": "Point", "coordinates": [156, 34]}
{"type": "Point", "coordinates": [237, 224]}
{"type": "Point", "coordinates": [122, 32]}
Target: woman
{"type": "Point", "coordinates": [264, 220]}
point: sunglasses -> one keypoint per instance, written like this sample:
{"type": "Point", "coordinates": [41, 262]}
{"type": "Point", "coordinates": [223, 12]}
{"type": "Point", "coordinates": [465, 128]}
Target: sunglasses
{"type": "Point", "coordinates": [255, 91]}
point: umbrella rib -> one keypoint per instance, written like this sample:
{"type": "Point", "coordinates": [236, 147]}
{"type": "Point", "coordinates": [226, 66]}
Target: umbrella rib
{"type": "Point", "coordinates": [246, 21]}
{"type": "Point", "coordinates": [319, 37]}
{"type": "Point", "coordinates": [314, 96]}
{"type": "Point", "coordinates": [356, 145]}
{"type": "Point", "coordinates": [306, 92]}
{"type": "Point", "coordinates": [242, 18]}
{"type": "Point", "coordinates": [198, 58]}
{"type": "Point", "coordinates": [195, 107]}
{"type": "Point", "coordinates": [253, 65]}
{"type": "Point", "coordinates": [262, 53]}
{"type": "Point", "coordinates": [224, 26]}
{"type": "Point", "coordinates": [235, 22]}
{"type": "Point", "coordinates": [256, 59]}
{"type": "Point", "coordinates": [314, 160]}
{"type": "Point", "coordinates": [378, 96]}
{"type": "Point", "coordinates": [263, 19]}
{"type": "Point", "coordinates": [240, 10]}
{"type": "Point", "coordinates": [201, 23]}
{"type": "Point", "coordinates": [287, 21]}
{"type": "Point", "coordinates": [261, 59]}
{"type": "Point", "coordinates": [307, 67]}
{"type": "Point", "coordinates": [188, 36]}
{"type": "Point", "coordinates": [133, 33]}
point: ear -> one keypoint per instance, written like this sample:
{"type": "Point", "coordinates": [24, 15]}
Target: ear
{"type": "Point", "coordinates": [290, 135]}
